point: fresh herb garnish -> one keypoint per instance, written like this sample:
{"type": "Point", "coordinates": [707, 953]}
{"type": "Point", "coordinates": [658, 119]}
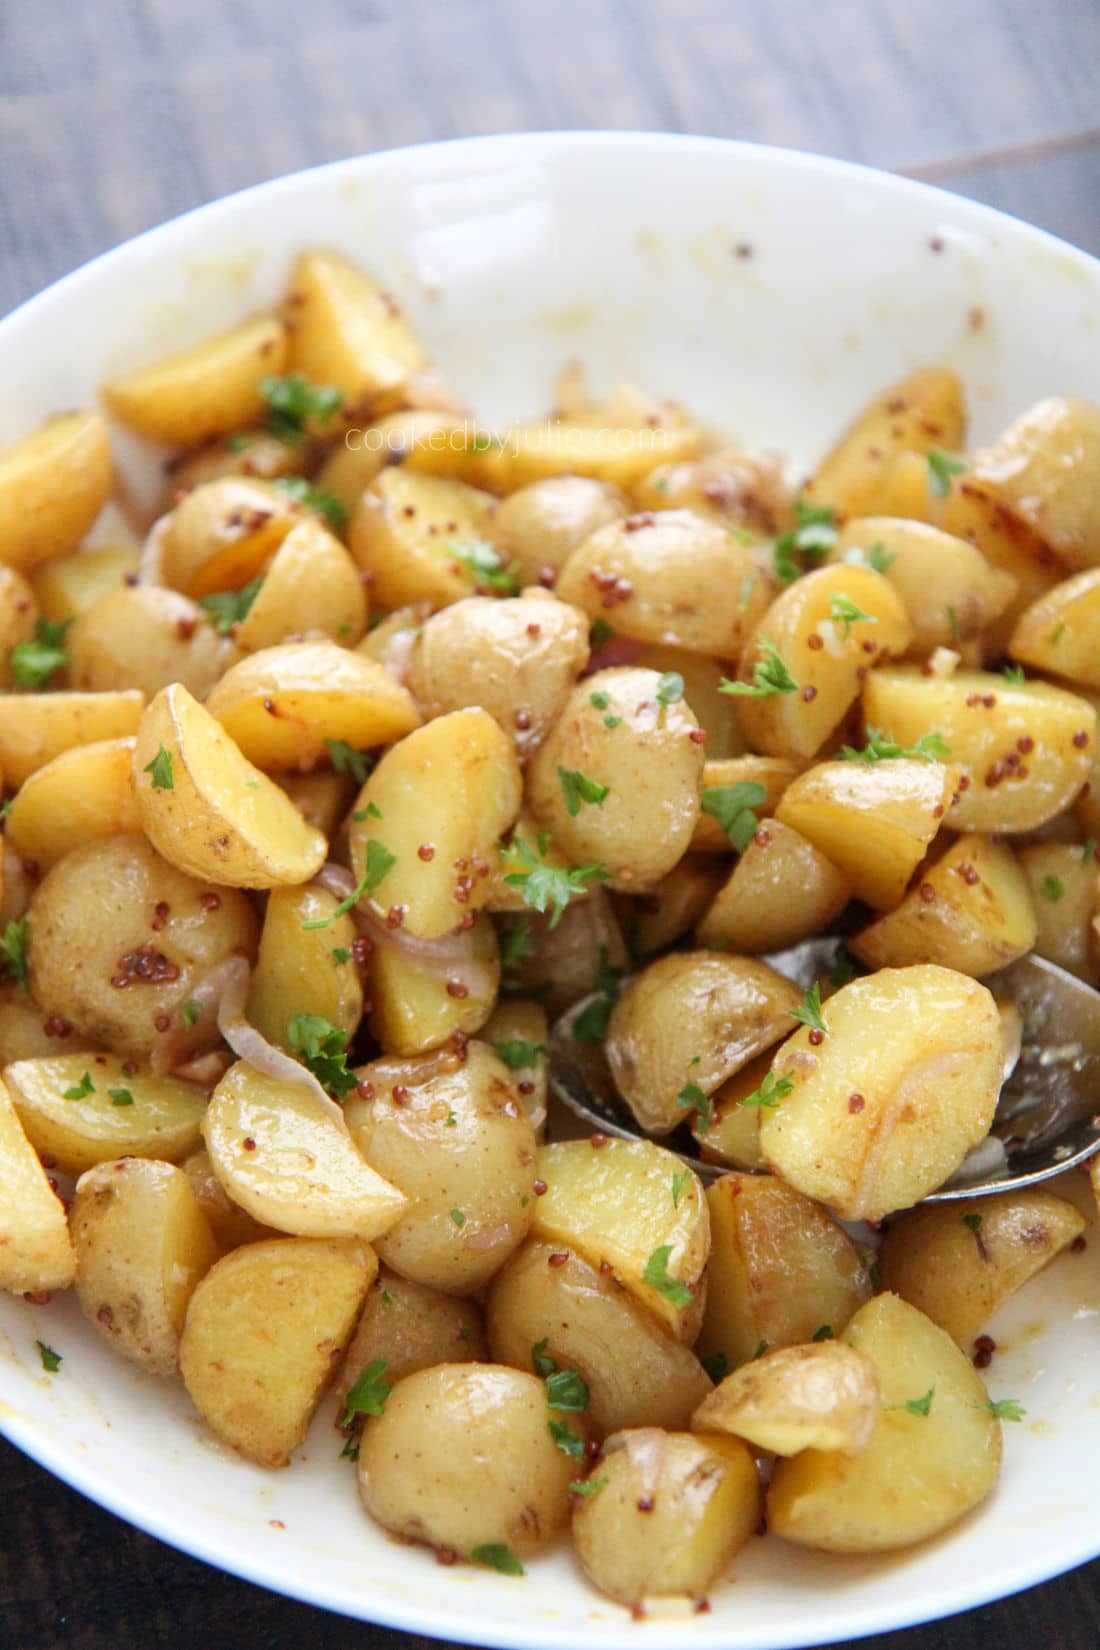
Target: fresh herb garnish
{"type": "Point", "coordinates": [679, 1181]}
{"type": "Point", "coordinates": [121, 1097]}
{"type": "Point", "coordinates": [566, 1390]}
{"type": "Point", "coordinates": [974, 1222]}
{"type": "Point", "coordinates": [231, 607]}
{"type": "Point", "coordinates": [599, 700]}
{"type": "Point", "coordinates": [1052, 888]}
{"type": "Point", "coordinates": [565, 1438]}
{"type": "Point", "coordinates": [547, 887]}
{"type": "Point", "coordinates": [322, 1047]}
{"type": "Point", "coordinates": [656, 1274]}
{"type": "Point", "coordinates": [588, 1487]}
{"type": "Point", "coordinates": [769, 675]}
{"type": "Point", "coordinates": [670, 688]}
{"type": "Point", "coordinates": [876, 557]}
{"type": "Point", "coordinates": [808, 1012]}
{"type": "Point", "coordinates": [515, 944]}
{"type": "Point", "coordinates": [541, 1362]}
{"type": "Point", "coordinates": [32, 663]}
{"type": "Point", "coordinates": [919, 1406]}
{"type": "Point", "coordinates": [1004, 1409]}
{"type": "Point", "coordinates": [602, 632]}
{"type": "Point", "coordinates": [577, 788]}
{"type": "Point", "coordinates": [368, 1395]}
{"type": "Point", "coordinates": [161, 769]}
{"type": "Point", "coordinates": [340, 955]}
{"type": "Point", "coordinates": [192, 1012]}
{"type": "Point", "coordinates": [953, 624]}
{"type": "Point", "coordinates": [379, 863]}
{"type": "Point", "coordinates": [692, 1098]}
{"type": "Point", "coordinates": [814, 535]}
{"type": "Point", "coordinates": [315, 499]}
{"type": "Point", "coordinates": [79, 1090]}
{"type": "Point", "coordinates": [880, 747]}
{"type": "Point", "coordinates": [1014, 675]}
{"type": "Point", "coordinates": [346, 759]}
{"type": "Point", "coordinates": [844, 967]}
{"type": "Point", "coordinates": [292, 401]}
{"type": "Point", "coordinates": [771, 1091]}
{"type": "Point", "coordinates": [517, 1053]}
{"type": "Point", "coordinates": [13, 952]}
{"type": "Point", "coordinates": [825, 1333]}
{"type": "Point", "coordinates": [941, 468]}
{"type": "Point", "coordinates": [51, 1360]}
{"type": "Point", "coordinates": [498, 1556]}
{"type": "Point", "coordinates": [458, 1217]}
{"type": "Point", "coordinates": [732, 806]}
{"type": "Point", "coordinates": [845, 612]}
{"type": "Point", "coordinates": [487, 565]}
{"type": "Point", "coordinates": [716, 1365]}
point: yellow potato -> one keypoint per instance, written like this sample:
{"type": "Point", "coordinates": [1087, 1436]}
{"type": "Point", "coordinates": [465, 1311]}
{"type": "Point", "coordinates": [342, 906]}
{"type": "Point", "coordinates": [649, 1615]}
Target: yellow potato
{"type": "Point", "coordinates": [23, 1029]}
{"type": "Point", "coordinates": [970, 910]}
{"type": "Point", "coordinates": [631, 1206]}
{"type": "Point", "coordinates": [321, 796]}
{"type": "Point", "coordinates": [228, 1221]}
{"type": "Point", "coordinates": [53, 484]}
{"type": "Point", "coordinates": [66, 586]}
{"type": "Point", "coordinates": [1058, 632]}
{"type": "Point", "coordinates": [408, 1327]}
{"type": "Point", "coordinates": [217, 816]}
{"type": "Point", "coordinates": [204, 391]}
{"type": "Point", "coordinates": [688, 1022]}
{"type": "Point", "coordinates": [286, 706]}
{"type": "Point", "coordinates": [669, 577]}
{"type": "Point", "coordinates": [493, 1475]}
{"type": "Point", "coordinates": [249, 452]}
{"type": "Point", "coordinates": [34, 728]}
{"type": "Point", "coordinates": [715, 711]}
{"type": "Point", "coordinates": [418, 1003]}
{"type": "Point", "coordinates": [220, 536]}
{"type": "Point", "coordinates": [35, 1251]}
{"type": "Point", "coordinates": [780, 1270]}
{"type": "Point", "coordinates": [432, 813]}
{"type": "Point", "coordinates": [650, 763]}
{"type": "Point", "coordinates": [799, 1397]}
{"type": "Point", "coordinates": [616, 446]}
{"type": "Point", "coordinates": [667, 1514]}
{"type": "Point", "coordinates": [142, 1243]}
{"type": "Point", "coordinates": [1045, 468]}
{"type": "Point", "coordinates": [959, 1262]}
{"type": "Point", "coordinates": [347, 331]}
{"type": "Point", "coordinates": [922, 411]}
{"type": "Point", "coordinates": [772, 773]}
{"type": "Point", "coordinates": [264, 1333]}
{"type": "Point", "coordinates": [422, 538]}
{"type": "Point", "coordinates": [874, 821]}
{"type": "Point", "coordinates": [539, 526]}
{"type": "Point", "coordinates": [869, 1132]}
{"type": "Point", "coordinates": [1065, 891]}
{"type": "Point", "coordinates": [311, 584]}
{"type": "Point", "coordinates": [160, 1119]}
{"type": "Point", "coordinates": [811, 640]}
{"type": "Point", "coordinates": [636, 1373]}
{"type": "Point", "coordinates": [145, 638]}
{"type": "Point", "coordinates": [302, 970]}
{"type": "Point", "coordinates": [934, 1454]}
{"type": "Point", "coordinates": [18, 613]}
{"type": "Point", "coordinates": [517, 1031]}
{"type": "Point", "coordinates": [390, 640]}
{"type": "Point", "coordinates": [352, 464]}
{"type": "Point", "coordinates": [289, 1163]}
{"type": "Point", "coordinates": [563, 963]}
{"type": "Point", "coordinates": [85, 792]}
{"type": "Point", "coordinates": [732, 1135]}
{"type": "Point", "coordinates": [746, 491]}
{"type": "Point", "coordinates": [1023, 751]}
{"type": "Point", "coordinates": [754, 910]}
{"type": "Point", "coordinates": [655, 921]}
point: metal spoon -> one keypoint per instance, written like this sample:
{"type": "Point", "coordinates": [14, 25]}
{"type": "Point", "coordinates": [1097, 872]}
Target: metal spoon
{"type": "Point", "coordinates": [1046, 1118]}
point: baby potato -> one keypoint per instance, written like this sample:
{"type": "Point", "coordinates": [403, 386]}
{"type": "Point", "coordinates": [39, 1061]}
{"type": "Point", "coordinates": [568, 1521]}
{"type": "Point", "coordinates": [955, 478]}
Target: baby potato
{"type": "Point", "coordinates": [35, 1250]}
{"type": "Point", "coordinates": [1045, 468]}
{"type": "Point", "coordinates": [599, 442]}
{"type": "Point", "coordinates": [934, 1454]}
{"type": "Point", "coordinates": [120, 939]}
{"type": "Point", "coordinates": [322, 797]}
{"type": "Point", "coordinates": [671, 577]}
{"type": "Point", "coordinates": [36, 727]}
{"type": "Point", "coordinates": [731, 1135]}
{"type": "Point", "coordinates": [1065, 891]}
{"type": "Point", "coordinates": [247, 452]}
{"type": "Point", "coordinates": [539, 526]}
{"type": "Point", "coordinates": [657, 920]}
{"type": "Point", "coordinates": [753, 910]}
{"type": "Point", "coordinates": [1058, 632]}
{"type": "Point", "coordinates": [721, 790]}
{"type": "Point", "coordinates": [689, 1021]}
{"type": "Point", "coordinates": [517, 1031]}
{"type": "Point", "coordinates": [311, 585]}
{"type": "Point", "coordinates": [714, 710]}
{"type": "Point", "coordinates": [819, 639]}
{"type": "Point", "coordinates": [518, 660]}
{"type": "Point", "coordinates": [432, 813]}
{"type": "Point", "coordinates": [348, 470]}
{"type": "Point", "coordinates": [18, 613]}
{"type": "Point", "coordinates": [53, 484]}
{"type": "Point", "coordinates": [118, 1112]}
{"type": "Point", "coordinates": [493, 1474]}
{"type": "Point", "coordinates": [84, 793]}
{"type": "Point", "coordinates": [883, 1109]}
{"type": "Point", "coordinates": [562, 962]}
{"type": "Point", "coordinates": [347, 331]}
{"type": "Point", "coordinates": [668, 1513]}
{"type": "Point", "coordinates": [408, 1327]}
{"type": "Point", "coordinates": [228, 1222]}
{"type": "Point", "coordinates": [959, 1262]}
{"type": "Point", "coordinates": [636, 1373]}
{"type": "Point", "coordinates": [264, 1333]}
{"type": "Point", "coordinates": [949, 590]}
{"type": "Point", "coordinates": [204, 391]}
{"type": "Point", "coordinates": [283, 1157]}
{"type": "Point", "coordinates": [873, 821]}
{"type": "Point", "coordinates": [208, 810]}
{"type": "Point", "coordinates": [144, 638]}
{"type": "Point", "coordinates": [142, 1243]}
{"type": "Point", "coordinates": [423, 538]}
{"type": "Point", "coordinates": [23, 1033]}
{"type": "Point", "coordinates": [600, 791]}
{"type": "Point", "coordinates": [741, 490]}
{"type": "Point", "coordinates": [780, 1270]}
{"type": "Point", "coordinates": [302, 970]}
{"type": "Point", "coordinates": [924, 410]}
{"type": "Point", "coordinates": [67, 585]}
{"type": "Point", "coordinates": [970, 910]}
{"type": "Point", "coordinates": [629, 1205]}
{"type": "Point", "coordinates": [419, 1002]}
{"type": "Point", "coordinates": [1024, 750]}
{"type": "Point", "coordinates": [462, 1149]}
{"type": "Point", "coordinates": [390, 640]}
{"type": "Point", "coordinates": [286, 706]}
{"type": "Point", "coordinates": [220, 536]}
{"type": "Point", "coordinates": [799, 1397]}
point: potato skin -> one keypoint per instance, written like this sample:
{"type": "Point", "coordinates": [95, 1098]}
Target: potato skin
{"type": "Point", "coordinates": [145, 638]}
{"type": "Point", "coordinates": [53, 484]}
{"type": "Point", "coordinates": [1045, 468]}
{"type": "Point", "coordinates": [408, 1327]}
{"type": "Point", "coordinates": [408, 533]}
{"type": "Point", "coordinates": [219, 536]}
{"type": "Point", "coordinates": [924, 410]}
{"type": "Point", "coordinates": [493, 1473]}
{"type": "Point", "coordinates": [823, 1396]}
{"type": "Point", "coordinates": [35, 1248]}
{"type": "Point", "coordinates": [539, 526]}
{"type": "Point", "coordinates": [754, 912]}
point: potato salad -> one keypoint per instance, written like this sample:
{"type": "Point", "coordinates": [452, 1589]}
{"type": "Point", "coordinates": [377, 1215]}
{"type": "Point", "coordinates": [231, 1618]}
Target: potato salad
{"type": "Point", "coordinates": [380, 740]}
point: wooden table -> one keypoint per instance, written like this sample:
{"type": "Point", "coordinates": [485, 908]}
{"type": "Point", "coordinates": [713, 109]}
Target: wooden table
{"type": "Point", "coordinates": [116, 114]}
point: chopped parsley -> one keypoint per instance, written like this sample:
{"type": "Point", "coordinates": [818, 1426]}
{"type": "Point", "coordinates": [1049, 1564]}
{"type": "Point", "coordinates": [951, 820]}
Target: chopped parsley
{"type": "Point", "coordinates": [716, 1365]}
{"type": "Point", "coordinates": [13, 952]}
{"type": "Point", "coordinates": [941, 468]}
{"type": "Point", "coordinates": [368, 1395]}
{"type": "Point", "coordinates": [518, 1054]}
{"type": "Point", "coordinates": [761, 1348]}
{"type": "Point", "coordinates": [588, 1487]}
{"type": "Point", "coordinates": [1014, 675]}
{"type": "Point", "coordinates": [292, 401]}
{"type": "Point", "coordinates": [346, 759]}
{"type": "Point", "coordinates": [592, 1022]}
{"type": "Point", "coordinates": [808, 1012]}
{"type": "Point", "coordinates": [498, 1556]}
{"type": "Point", "coordinates": [656, 1274]}
{"type": "Point", "coordinates": [51, 1360]}
{"type": "Point", "coordinates": [547, 887]}
{"type": "Point", "coordinates": [161, 769]}
{"type": "Point", "coordinates": [565, 1438]}
{"type": "Point", "coordinates": [121, 1097]}
{"type": "Point", "coordinates": [732, 806]}
{"type": "Point", "coordinates": [602, 632]}
{"type": "Point", "coordinates": [315, 499]}
{"type": "Point", "coordinates": [692, 1098]}
{"type": "Point", "coordinates": [599, 700]}
{"type": "Point", "coordinates": [487, 565]}
{"type": "Point", "coordinates": [876, 557]}
{"type": "Point", "coordinates": [515, 944]}
{"type": "Point", "coordinates": [880, 747]}
{"type": "Point", "coordinates": [33, 662]}
{"type": "Point", "coordinates": [350, 1451]}
{"type": "Point", "coordinates": [1056, 634]}
{"type": "Point", "coordinates": [566, 1390]}
{"type": "Point", "coordinates": [845, 612]}
{"type": "Point", "coordinates": [192, 1012]}
{"type": "Point", "coordinates": [769, 675]}
{"type": "Point", "coordinates": [577, 789]}
{"type": "Point", "coordinates": [953, 623]}
{"type": "Point", "coordinates": [825, 1333]}
{"type": "Point", "coordinates": [238, 442]}
{"type": "Point", "coordinates": [1052, 889]}
{"type": "Point", "coordinates": [458, 1217]}
{"type": "Point", "coordinates": [679, 1181]}
{"type": "Point", "coordinates": [541, 1362]}
{"type": "Point", "coordinates": [1004, 1409]}
{"type": "Point", "coordinates": [322, 1047]}
{"type": "Point", "coordinates": [670, 688]}
{"type": "Point", "coordinates": [814, 534]}
{"type": "Point", "coordinates": [230, 607]}
{"type": "Point", "coordinates": [974, 1222]}
{"type": "Point", "coordinates": [379, 864]}
{"type": "Point", "coordinates": [844, 966]}
{"type": "Point", "coordinates": [79, 1090]}
{"type": "Point", "coordinates": [340, 955]}
{"type": "Point", "coordinates": [919, 1406]}
{"type": "Point", "coordinates": [771, 1091]}
{"type": "Point", "coordinates": [748, 585]}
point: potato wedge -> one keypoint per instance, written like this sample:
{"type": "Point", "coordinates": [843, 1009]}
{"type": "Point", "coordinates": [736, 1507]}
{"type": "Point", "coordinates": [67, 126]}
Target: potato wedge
{"type": "Point", "coordinates": [263, 1335]}
{"type": "Point", "coordinates": [419, 1002]}
{"type": "Point", "coordinates": [53, 484]}
{"type": "Point", "coordinates": [220, 536]}
{"type": "Point", "coordinates": [1024, 751]}
{"type": "Point", "coordinates": [34, 728]}
{"type": "Point", "coordinates": [935, 1435]}
{"type": "Point", "coordinates": [655, 921]}
{"type": "Point", "coordinates": [970, 910]}
{"type": "Point", "coordinates": [631, 1206]}
{"type": "Point", "coordinates": [743, 491]}
{"type": "Point", "coordinates": [35, 1250]}
{"type": "Point", "coordinates": [203, 392]}
{"type": "Point", "coordinates": [780, 1270]}
{"type": "Point", "coordinates": [883, 1108]}
{"type": "Point", "coordinates": [753, 911]}
{"type": "Point", "coordinates": [539, 526]}
{"type": "Point", "coordinates": [290, 1164]}
{"type": "Point", "coordinates": [798, 1397]}
{"type": "Point", "coordinates": [1058, 632]}
{"type": "Point", "coordinates": [595, 445]}
{"type": "Point", "coordinates": [407, 1327]}
{"type": "Point", "coordinates": [348, 331]}
{"type": "Point", "coordinates": [160, 1119]}
{"type": "Point", "coordinates": [208, 809]}
{"type": "Point", "coordinates": [959, 1262]}
{"type": "Point", "coordinates": [67, 585]}
{"type": "Point", "coordinates": [637, 1374]}
{"type": "Point", "coordinates": [142, 1243]}
{"type": "Point", "coordinates": [772, 774]}
{"type": "Point", "coordinates": [689, 1021]}
{"type": "Point", "coordinates": [1045, 468]}
{"type": "Point", "coordinates": [670, 1512]}
{"type": "Point", "coordinates": [310, 584]}
{"type": "Point", "coordinates": [301, 970]}
{"type": "Point", "coordinates": [1065, 889]}
{"type": "Point", "coordinates": [85, 792]}
{"type": "Point", "coordinates": [352, 465]}
{"type": "Point", "coordinates": [422, 538]}
{"type": "Point", "coordinates": [145, 637]}
{"type": "Point", "coordinates": [924, 410]}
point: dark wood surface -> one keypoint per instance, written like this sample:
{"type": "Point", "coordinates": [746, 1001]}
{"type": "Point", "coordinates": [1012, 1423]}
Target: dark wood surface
{"type": "Point", "coordinates": [116, 114]}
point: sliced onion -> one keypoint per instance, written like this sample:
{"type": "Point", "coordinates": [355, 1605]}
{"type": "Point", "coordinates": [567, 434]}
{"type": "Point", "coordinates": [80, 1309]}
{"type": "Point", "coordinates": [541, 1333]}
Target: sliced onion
{"type": "Point", "coordinates": [181, 1044]}
{"type": "Point", "coordinates": [620, 650]}
{"type": "Point", "coordinates": [249, 1044]}
{"type": "Point", "coordinates": [336, 879]}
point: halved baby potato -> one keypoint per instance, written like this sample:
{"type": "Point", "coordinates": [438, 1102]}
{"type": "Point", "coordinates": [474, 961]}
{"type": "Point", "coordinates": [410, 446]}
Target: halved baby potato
{"type": "Point", "coordinates": [348, 331]}
{"type": "Point", "coordinates": [144, 637]}
{"type": "Point", "coordinates": [53, 484]}
{"type": "Point", "coordinates": [1064, 880]}
{"type": "Point", "coordinates": [715, 711]}
{"type": "Point", "coordinates": [419, 1002]}
{"type": "Point", "coordinates": [304, 970]}
{"type": "Point", "coordinates": [67, 585]}
{"type": "Point", "coordinates": [206, 391]}
{"type": "Point", "coordinates": [823, 1396]}
{"type": "Point", "coordinates": [352, 464]}
{"type": "Point", "coordinates": [422, 538]}
{"type": "Point", "coordinates": [924, 410]}
{"type": "Point", "coordinates": [1045, 468]}
{"type": "Point", "coordinates": [754, 911]}
{"type": "Point", "coordinates": [1058, 632]}
{"type": "Point", "coordinates": [311, 584]}
{"type": "Point", "coordinates": [656, 920]}
{"type": "Point", "coordinates": [539, 526]}
{"type": "Point", "coordinates": [771, 773]}
{"type": "Point", "coordinates": [82, 1109]}
{"type": "Point", "coordinates": [83, 793]}
{"type": "Point", "coordinates": [35, 1250]}
{"type": "Point", "coordinates": [407, 1327]}
{"type": "Point", "coordinates": [219, 536]}
{"type": "Point", "coordinates": [36, 727]}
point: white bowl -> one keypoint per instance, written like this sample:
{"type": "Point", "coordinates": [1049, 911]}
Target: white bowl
{"type": "Point", "coordinates": [512, 254]}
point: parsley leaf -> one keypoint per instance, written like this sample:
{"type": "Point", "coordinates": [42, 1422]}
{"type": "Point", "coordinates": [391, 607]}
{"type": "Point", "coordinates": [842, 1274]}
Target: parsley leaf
{"type": "Point", "coordinates": [670, 688]}
{"type": "Point", "coordinates": [769, 675]}
{"type": "Point", "coordinates": [1004, 1409]}
{"type": "Point", "coordinates": [880, 747]}
{"type": "Point", "coordinates": [845, 612]}
{"type": "Point", "coordinates": [315, 499]}
{"type": "Point", "coordinates": [577, 788]}
{"type": "Point", "coordinates": [458, 1217]}
{"type": "Point", "coordinates": [543, 1364]}
{"type": "Point", "coordinates": [808, 1012]}
{"type": "Point", "coordinates": [32, 663]}
{"type": "Point", "coordinates": [844, 966]}
{"type": "Point", "coordinates": [599, 700]}
{"type": "Point", "coordinates": [192, 1012]}
{"type": "Point", "coordinates": [566, 1390]}
{"type": "Point", "coordinates": [350, 1451]}
{"type": "Point", "coordinates": [1052, 889]}
{"type": "Point", "coordinates": [771, 1091]}
{"type": "Point", "coordinates": [919, 1406]}
{"type": "Point", "coordinates": [79, 1090]}
{"type": "Point", "coordinates": [825, 1333]}
{"type": "Point", "coordinates": [515, 944]}
{"type": "Point", "coordinates": [679, 1181]}
{"type": "Point", "coordinates": [592, 1022]}
{"type": "Point", "coordinates": [229, 607]}
{"type": "Point", "coordinates": [547, 886]}
{"type": "Point", "coordinates": [517, 1053]}
{"type": "Point", "coordinates": [51, 1360]}
{"type": "Point", "coordinates": [588, 1487]}
{"type": "Point", "coordinates": [498, 1556]}
{"type": "Point", "coordinates": [1014, 675]}
{"type": "Point", "coordinates": [814, 534]}
{"type": "Point", "coordinates": [692, 1098]}
{"type": "Point", "coordinates": [13, 951]}
{"type": "Point", "coordinates": [161, 769]}
{"type": "Point", "coordinates": [487, 565]}
{"type": "Point", "coordinates": [953, 624]}
{"type": "Point", "coordinates": [565, 1438]}
{"type": "Point", "coordinates": [656, 1274]}
{"type": "Point", "coordinates": [368, 1395]}
{"type": "Point", "coordinates": [346, 759]}
{"type": "Point", "coordinates": [340, 955]}
{"type": "Point", "coordinates": [876, 557]}
{"type": "Point", "coordinates": [602, 632]}
{"type": "Point", "coordinates": [121, 1097]}
{"type": "Point", "coordinates": [716, 1365]}
{"type": "Point", "coordinates": [974, 1222]}
{"type": "Point", "coordinates": [323, 1049]}
{"type": "Point", "coordinates": [941, 467]}
{"type": "Point", "coordinates": [761, 1348]}
{"type": "Point", "coordinates": [379, 863]}
{"type": "Point", "coordinates": [732, 806]}
{"type": "Point", "coordinates": [292, 401]}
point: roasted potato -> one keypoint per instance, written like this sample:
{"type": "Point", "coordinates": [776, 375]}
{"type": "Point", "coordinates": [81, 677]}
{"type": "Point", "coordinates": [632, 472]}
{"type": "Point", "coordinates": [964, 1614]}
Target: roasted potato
{"type": "Point", "coordinates": [407, 1327]}
{"type": "Point", "coordinates": [922, 411]}
{"type": "Point", "coordinates": [34, 728]}
{"type": "Point", "coordinates": [715, 711]}
{"type": "Point", "coordinates": [302, 970]}
{"type": "Point", "coordinates": [1045, 468]}
{"type": "Point", "coordinates": [539, 526]}
{"type": "Point", "coordinates": [85, 792]}
{"type": "Point", "coordinates": [144, 638]}
{"type": "Point", "coordinates": [347, 331]}
{"type": "Point", "coordinates": [419, 1001]}
{"type": "Point", "coordinates": [656, 920]}
{"type": "Point", "coordinates": [64, 587]}
{"type": "Point", "coordinates": [205, 391]}
{"type": "Point", "coordinates": [18, 616]}
{"type": "Point", "coordinates": [424, 538]}
{"type": "Point", "coordinates": [823, 1396]}
{"type": "Point", "coordinates": [746, 492]}
{"type": "Point", "coordinates": [79, 1110]}
{"type": "Point", "coordinates": [53, 484]}
{"type": "Point", "coordinates": [220, 536]}
{"type": "Point", "coordinates": [1064, 879]}
{"type": "Point", "coordinates": [228, 1221]}
{"type": "Point", "coordinates": [517, 1031]}
{"type": "Point", "coordinates": [1058, 632]}
{"type": "Point", "coordinates": [311, 584]}
{"type": "Point", "coordinates": [35, 1250]}
{"type": "Point", "coordinates": [724, 796]}
{"type": "Point", "coordinates": [753, 910]}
